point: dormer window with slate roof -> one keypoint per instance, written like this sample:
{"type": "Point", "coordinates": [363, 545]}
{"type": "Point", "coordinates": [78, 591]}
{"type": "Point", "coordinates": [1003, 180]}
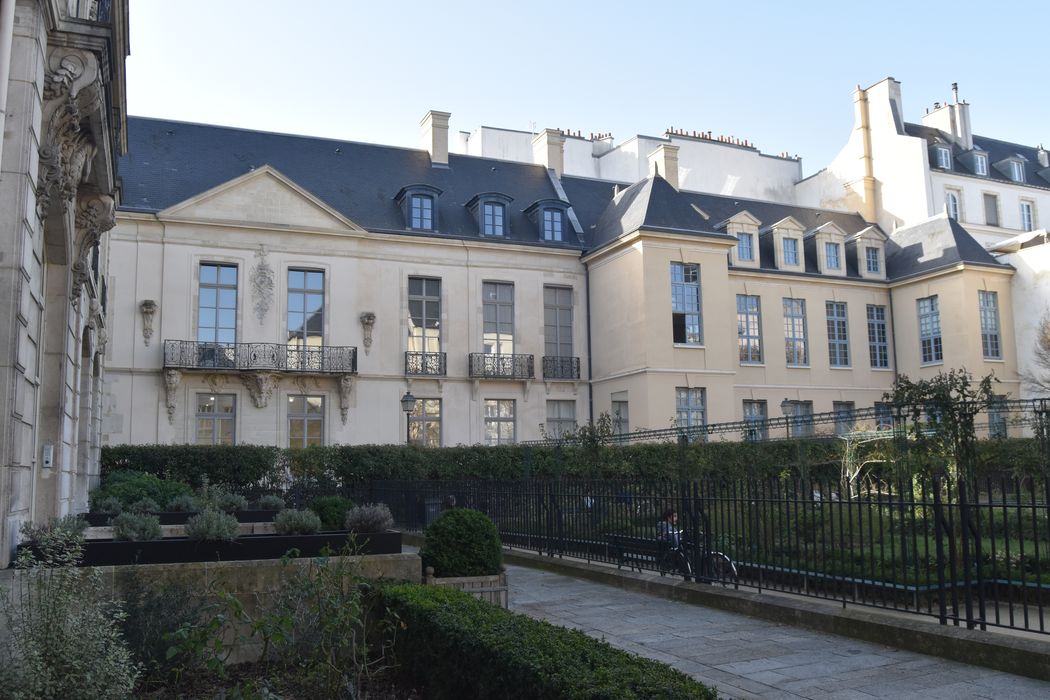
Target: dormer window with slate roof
{"type": "Point", "coordinates": [830, 245]}
{"type": "Point", "coordinates": [870, 247]}
{"type": "Point", "coordinates": [787, 245]}
{"type": "Point", "coordinates": [550, 218]}
{"type": "Point", "coordinates": [1016, 171]}
{"type": "Point", "coordinates": [1012, 167]}
{"type": "Point", "coordinates": [744, 227]}
{"type": "Point", "coordinates": [419, 206]}
{"type": "Point", "coordinates": [944, 157]}
{"type": "Point", "coordinates": [490, 210]}
{"type": "Point", "coordinates": [980, 164]}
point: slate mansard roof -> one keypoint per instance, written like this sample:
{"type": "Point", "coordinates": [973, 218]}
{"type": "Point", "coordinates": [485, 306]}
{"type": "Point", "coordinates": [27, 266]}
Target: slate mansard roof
{"type": "Point", "coordinates": [997, 151]}
{"type": "Point", "coordinates": [169, 162]}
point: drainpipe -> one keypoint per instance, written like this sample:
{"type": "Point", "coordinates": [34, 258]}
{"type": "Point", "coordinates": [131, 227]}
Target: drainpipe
{"type": "Point", "coordinates": [590, 370]}
{"type": "Point", "coordinates": [7, 34]}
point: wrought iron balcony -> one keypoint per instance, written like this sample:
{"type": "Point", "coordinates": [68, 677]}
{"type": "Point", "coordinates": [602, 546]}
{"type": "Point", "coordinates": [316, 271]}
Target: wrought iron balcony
{"type": "Point", "coordinates": [564, 368]}
{"type": "Point", "coordinates": [492, 366]}
{"type": "Point", "coordinates": [275, 357]}
{"type": "Point", "coordinates": [425, 364]}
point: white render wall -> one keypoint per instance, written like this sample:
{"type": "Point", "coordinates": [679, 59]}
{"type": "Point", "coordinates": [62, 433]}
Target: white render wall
{"type": "Point", "coordinates": [1030, 290]}
{"type": "Point", "coordinates": [972, 215]}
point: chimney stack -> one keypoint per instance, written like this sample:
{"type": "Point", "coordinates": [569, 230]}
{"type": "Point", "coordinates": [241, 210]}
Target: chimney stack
{"type": "Point", "coordinates": [664, 162]}
{"type": "Point", "coordinates": [435, 136]}
{"type": "Point", "coordinates": [548, 150]}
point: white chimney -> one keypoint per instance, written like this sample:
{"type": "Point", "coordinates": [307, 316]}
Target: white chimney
{"type": "Point", "coordinates": [664, 162]}
{"type": "Point", "coordinates": [435, 136]}
{"type": "Point", "coordinates": [548, 150]}
{"type": "Point", "coordinates": [1041, 154]}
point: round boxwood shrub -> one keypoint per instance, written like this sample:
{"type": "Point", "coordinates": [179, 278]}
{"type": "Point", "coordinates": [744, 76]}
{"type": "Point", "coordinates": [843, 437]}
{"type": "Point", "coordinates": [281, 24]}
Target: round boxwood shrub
{"type": "Point", "coordinates": [270, 502]}
{"type": "Point", "coordinates": [332, 511]}
{"type": "Point", "coordinates": [212, 526]}
{"type": "Point", "coordinates": [462, 542]}
{"type": "Point", "coordinates": [137, 527]}
{"type": "Point", "coordinates": [296, 522]}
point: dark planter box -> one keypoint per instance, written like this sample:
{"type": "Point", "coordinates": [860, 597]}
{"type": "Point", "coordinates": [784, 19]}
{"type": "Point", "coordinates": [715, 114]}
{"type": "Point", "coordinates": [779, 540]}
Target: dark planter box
{"type": "Point", "coordinates": [176, 550]}
{"type": "Point", "coordinates": [175, 518]}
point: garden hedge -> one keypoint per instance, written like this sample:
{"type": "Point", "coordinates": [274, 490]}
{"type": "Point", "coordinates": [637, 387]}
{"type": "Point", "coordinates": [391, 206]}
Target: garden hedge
{"type": "Point", "coordinates": [456, 646]}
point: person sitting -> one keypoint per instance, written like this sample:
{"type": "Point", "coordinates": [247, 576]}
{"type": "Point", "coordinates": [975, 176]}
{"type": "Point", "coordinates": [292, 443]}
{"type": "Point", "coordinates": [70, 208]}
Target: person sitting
{"type": "Point", "coordinates": [667, 528]}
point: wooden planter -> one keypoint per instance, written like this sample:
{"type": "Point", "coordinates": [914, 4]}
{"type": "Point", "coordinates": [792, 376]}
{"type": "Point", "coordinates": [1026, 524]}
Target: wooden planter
{"type": "Point", "coordinates": [489, 588]}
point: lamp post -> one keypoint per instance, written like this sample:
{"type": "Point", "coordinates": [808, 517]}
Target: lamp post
{"type": "Point", "coordinates": [408, 404]}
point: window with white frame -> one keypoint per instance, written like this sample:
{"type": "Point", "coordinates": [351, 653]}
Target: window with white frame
{"type": "Point", "coordinates": [424, 423]}
{"type": "Point", "coordinates": [557, 321]}
{"type": "Point", "coordinates": [878, 338]}
{"type": "Point", "coordinates": [951, 200]}
{"type": "Point", "coordinates": [790, 246]}
{"type": "Point", "coordinates": [305, 421]}
{"type": "Point", "coordinates": [883, 416]}
{"type": "Point", "coordinates": [930, 349]}
{"type": "Point", "coordinates": [499, 421]}
{"type": "Point", "coordinates": [553, 222]}
{"type": "Point", "coordinates": [749, 328]}
{"type": "Point", "coordinates": [305, 318]}
{"type": "Point", "coordinates": [1016, 171]}
{"type": "Point", "coordinates": [421, 212]}
{"type": "Point", "coordinates": [755, 416]}
{"type": "Point", "coordinates": [424, 315]}
{"type": "Point", "coordinates": [217, 315]}
{"type": "Point", "coordinates": [497, 306]}
{"type": "Point", "coordinates": [1027, 215]}
{"type": "Point", "coordinates": [686, 319]}
{"type": "Point", "coordinates": [844, 418]}
{"type": "Point", "coordinates": [492, 218]}
{"type": "Point", "coordinates": [872, 259]}
{"type": "Point", "coordinates": [216, 418]}
{"type": "Point", "coordinates": [838, 333]}
{"type": "Point", "coordinates": [989, 310]}
{"type": "Point", "coordinates": [980, 164]}
{"type": "Point", "coordinates": [621, 417]}
{"type": "Point", "coordinates": [690, 408]}
{"type": "Point", "coordinates": [745, 247]}
{"type": "Point", "coordinates": [800, 418]}
{"type": "Point", "coordinates": [944, 158]}
{"type": "Point", "coordinates": [832, 255]}
{"type": "Point", "coordinates": [561, 418]}
{"type": "Point", "coordinates": [991, 209]}
{"type": "Point", "coordinates": [795, 346]}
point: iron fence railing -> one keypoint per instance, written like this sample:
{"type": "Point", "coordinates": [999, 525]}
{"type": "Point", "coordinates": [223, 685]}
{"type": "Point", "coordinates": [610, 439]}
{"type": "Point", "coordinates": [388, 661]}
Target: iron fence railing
{"type": "Point", "coordinates": [971, 552]}
{"type": "Point", "coordinates": [497, 366]}
{"type": "Point", "coordinates": [191, 354]}
{"type": "Point", "coordinates": [426, 364]}
{"type": "Point", "coordinates": [557, 367]}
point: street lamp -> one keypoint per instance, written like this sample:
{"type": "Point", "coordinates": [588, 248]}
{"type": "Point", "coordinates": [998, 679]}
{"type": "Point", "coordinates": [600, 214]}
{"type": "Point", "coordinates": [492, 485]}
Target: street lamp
{"type": "Point", "coordinates": [408, 404]}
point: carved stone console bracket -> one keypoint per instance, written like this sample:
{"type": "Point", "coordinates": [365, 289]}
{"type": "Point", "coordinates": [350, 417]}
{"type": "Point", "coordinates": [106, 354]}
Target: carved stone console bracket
{"type": "Point", "coordinates": [346, 385]}
{"type": "Point", "coordinates": [368, 320]}
{"type": "Point", "coordinates": [260, 386]}
{"type": "Point", "coordinates": [172, 378]}
{"type": "Point", "coordinates": [147, 308]}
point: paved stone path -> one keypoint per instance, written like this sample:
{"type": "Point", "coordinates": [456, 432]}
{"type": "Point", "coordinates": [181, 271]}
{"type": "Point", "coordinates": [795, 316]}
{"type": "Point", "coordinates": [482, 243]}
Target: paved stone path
{"type": "Point", "coordinates": [749, 658]}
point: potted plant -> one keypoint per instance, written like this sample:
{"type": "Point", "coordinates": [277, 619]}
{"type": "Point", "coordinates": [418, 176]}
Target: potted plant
{"type": "Point", "coordinates": [463, 550]}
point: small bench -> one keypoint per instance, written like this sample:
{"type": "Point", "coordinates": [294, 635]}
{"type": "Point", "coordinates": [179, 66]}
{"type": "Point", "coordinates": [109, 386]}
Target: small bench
{"type": "Point", "coordinates": [634, 551]}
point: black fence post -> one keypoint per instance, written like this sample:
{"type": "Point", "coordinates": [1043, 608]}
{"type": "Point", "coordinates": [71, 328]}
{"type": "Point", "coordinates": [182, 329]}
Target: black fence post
{"type": "Point", "coordinates": [940, 523]}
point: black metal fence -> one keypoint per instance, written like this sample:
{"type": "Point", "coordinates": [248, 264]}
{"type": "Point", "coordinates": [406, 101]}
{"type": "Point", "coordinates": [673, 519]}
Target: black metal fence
{"type": "Point", "coordinates": [974, 553]}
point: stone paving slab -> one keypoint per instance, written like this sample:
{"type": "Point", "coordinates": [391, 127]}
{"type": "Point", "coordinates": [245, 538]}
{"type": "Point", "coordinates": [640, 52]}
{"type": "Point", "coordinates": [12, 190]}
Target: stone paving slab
{"type": "Point", "coordinates": [744, 657]}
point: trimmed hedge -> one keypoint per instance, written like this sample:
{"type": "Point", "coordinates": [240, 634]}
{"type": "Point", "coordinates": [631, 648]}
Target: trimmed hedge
{"type": "Point", "coordinates": [510, 655]}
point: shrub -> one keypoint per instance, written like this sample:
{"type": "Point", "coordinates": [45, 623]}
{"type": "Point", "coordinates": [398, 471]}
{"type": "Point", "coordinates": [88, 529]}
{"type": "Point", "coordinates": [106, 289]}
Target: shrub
{"type": "Point", "coordinates": [230, 502]}
{"type": "Point", "coordinates": [510, 655]}
{"type": "Point", "coordinates": [212, 526]}
{"type": "Point", "coordinates": [144, 505]}
{"type": "Point", "coordinates": [332, 511]}
{"type": "Point", "coordinates": [371, 517]}
{"type": "Point", "coordinates": [462, 542]}
{"type": "Point", "coordinates": [185, 503]}
{"type": "Point", "coordinates": [270, 502]}
{"type": "Point", "coordinates": [56, 539]}
{"type": "Point", "coordinates": [132, 486]}
{"type": "Point", "coordinates": [109, 504]}
{"type": "Point", "coordinates": [296, 522]}
{"type": "Point", "coordinates": [137, 527]}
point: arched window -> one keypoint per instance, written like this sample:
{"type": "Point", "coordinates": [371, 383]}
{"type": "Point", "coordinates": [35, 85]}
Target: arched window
{"type": "Point", "coordinates": [951, 199]}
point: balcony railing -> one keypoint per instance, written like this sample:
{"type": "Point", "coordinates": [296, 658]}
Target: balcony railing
{"type": "Point", "coordinates": [492, 366]}
{"type": "Point", "coordinates": [191, 354]}
{"type": "Point", "coordinates": [557, 367]}
{"type": "Point", "coordinates": [425, 364]}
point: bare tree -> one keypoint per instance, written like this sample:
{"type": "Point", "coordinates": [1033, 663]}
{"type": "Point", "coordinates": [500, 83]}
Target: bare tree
{"type": "Point", "coordinates": [1039, 378]}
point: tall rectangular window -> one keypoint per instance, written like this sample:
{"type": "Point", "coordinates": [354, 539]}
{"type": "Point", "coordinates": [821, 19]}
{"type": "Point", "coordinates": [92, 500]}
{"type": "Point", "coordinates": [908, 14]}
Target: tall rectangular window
{"type": "Point", "coordinates": [745, 247]}
{"type": "Point", "coordinates": [991, 210]}
{"type": "Point", "coordinates": [872, 259]}
{"type": "Point", "coordinates": [930, 349]}
{"type": "Point", "coordinates": [1027, 216]}
{"type": "Point", "coordinates": [557, 321]}
{"type": "Point", "coordinates": [492, 215]}
{"type": "Point", "coordinates": [421, 212]}
{"type": "Point", "coordinates": [878, 338]}
{"type": "Point", "coordinates": [553, 220]}
{"type": "Point", "coordinates": [305, 318]}
{"type": "Point", "coordinates": [800, 418]}
{"type": "Point", "coordinates": [561, 418]}
{"type": "Point", "coordinates": [980, 164]}
{"type": "Point", "coordinates": [686, 320]}
{"type": "Point", "coordinates": [424, 423]}
{"type": "Point", "coordinates": [795, 346]}
{"type": "Point", "coordinates": [988, 303]}
{"type": "Point", "coordinates": [838, 333]}
{"type": "Point", "coordinates": [499, 421]}
{"type": "Point", "coordinates": [944, 158]}
{"type": "Point", "coordinates": [216, 414]}
{"type": "Point", "coordinates": [755, 417]}
{"type": "Point", "coordinates": [883, 416]}
{"type": "Point", "coordinates": [305, 421]}
{"type": "Point", "coordinates": [498, 318]}
{"type": "Point", "coordinates": [791, 251]}
{"type": "Point", "coordinates": [951, 201]}
{"type": "Point", "coordinates": [832, 255]}
{"type": "Point", "coordinates": [1016, 171]}
{"type": "Point", "coordinates": [424, 314]}
{"type": "Point", "coordinates": [749, 328]}
{"type": "Point", "coordinates": [844, 420]}
{"type": "Point", "coordinates": [690, 408]}
{"type": "Point", "coordinates": [217, 315]}
{"type": "Point", "coordinates": [997, 425]}
{"type": "Point", "coordinates": [621, 418]}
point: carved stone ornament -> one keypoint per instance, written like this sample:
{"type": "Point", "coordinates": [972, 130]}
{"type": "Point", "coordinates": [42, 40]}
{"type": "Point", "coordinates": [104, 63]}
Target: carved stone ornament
{"type": "Point", "coordinates": [172, 378]}
{"type": "Point", "coordinates": [346, 384]}
{"type": "Point", "coordinates": [261, 278]}
{"type": "Point", "coordinates": [95, 214]}
{"type": "Point", "coordinates": [368, 320]}
{"type": "Point", "coordinates": [147, 308]}
{"type": "Point", "coordinates": [260, 385]}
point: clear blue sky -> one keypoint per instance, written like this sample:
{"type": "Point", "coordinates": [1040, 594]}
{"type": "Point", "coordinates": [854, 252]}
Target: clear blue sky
{"type": "Point", "coordinates": [777, 73]}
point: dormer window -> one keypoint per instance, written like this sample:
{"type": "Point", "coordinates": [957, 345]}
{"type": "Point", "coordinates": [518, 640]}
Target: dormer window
{"type": "Point", "coordinates": [550, 217]}
{"type": "Point", "coordinates": [490, 211]}
{"type": "Point", "coordinates": [872, 260]}
{"type": "Point", "coordinates": [553, 221]}
{"type": "Point", "coordinates": [980, 164]}
{"type": "Point", "coordinates": [833, 256]}
{"type": "Point", "coordinates": [944, 157]}
{"type": "Point", "coordinates": [745, 247]}
{"type": "Point", "coordinates": [419, 206]}
{"type": "Point", "coordinates": [791, 251]}
{"type": "Point", "coordinates": [1016, 171]}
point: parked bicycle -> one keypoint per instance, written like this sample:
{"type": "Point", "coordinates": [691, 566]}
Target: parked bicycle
{"type": "Point", "coordinates": [678, 555]}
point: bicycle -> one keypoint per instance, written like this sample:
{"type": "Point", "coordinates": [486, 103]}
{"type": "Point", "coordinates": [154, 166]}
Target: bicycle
{"type": "Point", "coordinates": [676, 557]}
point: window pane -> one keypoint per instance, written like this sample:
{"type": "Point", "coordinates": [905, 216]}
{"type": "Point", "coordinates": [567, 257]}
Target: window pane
{"type": "Point", "coordinates": [228, 275]}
